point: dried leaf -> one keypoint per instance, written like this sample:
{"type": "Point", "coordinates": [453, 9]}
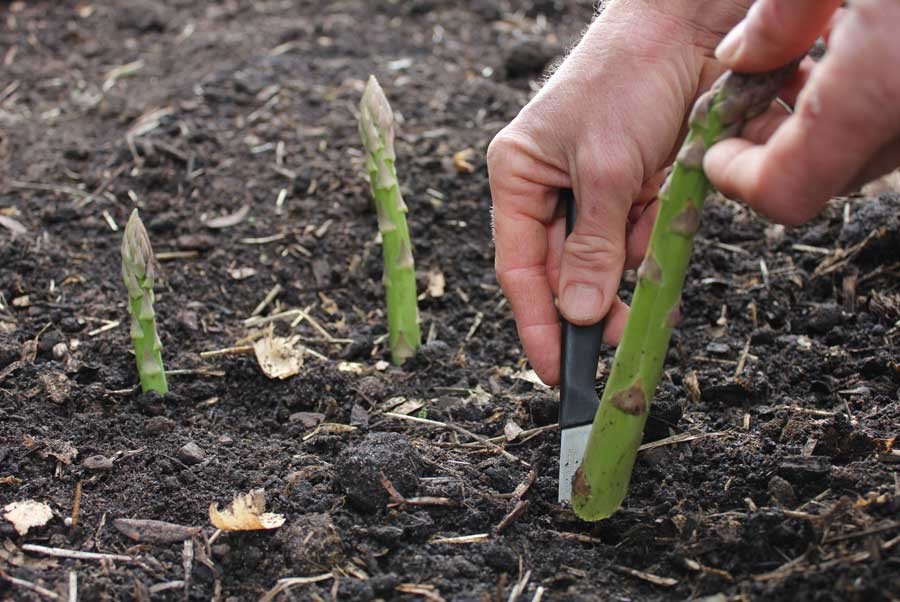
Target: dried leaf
{"type": "Point", "coordinates": [246, 513]}
{"type": "Point", "coordinates": [479, 395]}
{"type": "Point", "coordinates": [277, 356]}
{"type": "Point", "coordinates": [531, 377]}
{"type": "Point", "coordinates": [227, 221]}
{"type": "Point", "coordinates": [436, 282]}
{"type": "Point", "coordinates": [63, 451]}
{"type": "Point", "coordinates": [154, 531]}
{"type": "Point", "coordinates": [408, 406]}
{"type": "Point", "coordinates": [57, 386]}
{"type": "Point", "coordinates": [10, 480]}
{"type": "Point", "coordinates": [27, 514]}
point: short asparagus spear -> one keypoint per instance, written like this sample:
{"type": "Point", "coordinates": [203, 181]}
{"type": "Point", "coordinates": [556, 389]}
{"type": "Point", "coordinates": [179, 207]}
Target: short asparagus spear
{"type": "Point", "coordinates": [138, 273]}
{"type": "Point", "coordinates": [376, 129]}
{"type": "Point", "coordinates": [601, 483]}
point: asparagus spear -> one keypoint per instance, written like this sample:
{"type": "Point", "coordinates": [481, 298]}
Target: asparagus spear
{"type": "Point", "coordinates": [376, 129]}
{"type": "Point", "coordinates": [138, 272]}
{"type": "Point", "coordinates": [600, 484]}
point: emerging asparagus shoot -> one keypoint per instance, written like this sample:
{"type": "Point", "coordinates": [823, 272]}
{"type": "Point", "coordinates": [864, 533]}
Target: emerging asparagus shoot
{"type": "Point", "coordinates": [600, 484]}
{"type": "Point", "coordinates": [376, 129]}
{"type": "Point", "coordinates": [138, 273]}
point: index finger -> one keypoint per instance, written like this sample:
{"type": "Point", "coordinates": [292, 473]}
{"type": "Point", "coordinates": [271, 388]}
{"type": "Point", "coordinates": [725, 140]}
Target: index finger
{"type": "Point", "coordinates": [524, 194]}
{"type": "Point", "coordinates": [775, 32]}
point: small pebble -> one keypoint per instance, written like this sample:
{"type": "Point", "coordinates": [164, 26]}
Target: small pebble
{"type": "Point", "coordinates": [718, 348]}
{"type": "Point", "coordinates": [191, 454]}
{"type": "Point", "coordinates": [60, 351]}
{"type": "Point", "coordinates": [97, 462]}
{"type": "Point", "coordinates": [307, 419]}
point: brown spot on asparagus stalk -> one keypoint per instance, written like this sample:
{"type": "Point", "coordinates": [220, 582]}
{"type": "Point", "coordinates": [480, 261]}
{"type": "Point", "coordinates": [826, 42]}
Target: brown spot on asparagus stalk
{"type": "Point", "coordinates": [650, 270]}
{"type": "Point", "coordinates": [674, 315]}
{"type": "Point", "coordinates": [631, 400]}
{"type": "Point", "coordinates": [691, 154]}
{"type": "Point", "coordinates": [687, 222]}
{"type": "Point", "coordinates": [580, 486]}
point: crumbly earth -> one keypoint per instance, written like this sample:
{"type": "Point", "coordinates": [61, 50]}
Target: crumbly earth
{"type": "Point", "coordinates": [782, 378]}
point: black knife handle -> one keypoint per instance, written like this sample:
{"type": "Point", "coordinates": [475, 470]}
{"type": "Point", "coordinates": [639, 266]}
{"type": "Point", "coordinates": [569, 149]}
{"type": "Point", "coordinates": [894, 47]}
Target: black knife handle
{"type": "Point", "coordinates": [580, 354]}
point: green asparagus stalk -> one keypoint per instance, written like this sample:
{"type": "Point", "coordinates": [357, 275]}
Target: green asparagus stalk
{"type": "Point", "coordinates": [601, 483]}
{"type": "Point", "coordinates": [138, 272]}
{"type": "Point", "coordinates": [376, 129]}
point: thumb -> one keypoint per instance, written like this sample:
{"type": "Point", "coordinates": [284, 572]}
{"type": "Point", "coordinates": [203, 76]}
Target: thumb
{"type": "Point", "coordinates": [594, 253]}
{"type": "Point", "coordinates": [775, 32]}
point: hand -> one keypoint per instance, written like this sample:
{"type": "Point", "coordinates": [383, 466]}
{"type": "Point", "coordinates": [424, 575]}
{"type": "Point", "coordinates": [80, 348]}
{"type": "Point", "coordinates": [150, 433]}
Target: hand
{"type": "Point", "coordinates": [605, 124]}
{"type": "Point", "coordinates": [845, 128]}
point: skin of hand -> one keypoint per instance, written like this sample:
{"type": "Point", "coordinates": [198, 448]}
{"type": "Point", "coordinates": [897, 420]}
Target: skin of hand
{"type": "Point", "coordinates": [605, 124]}
{"type": "Point", "coordinates": [845, 127]}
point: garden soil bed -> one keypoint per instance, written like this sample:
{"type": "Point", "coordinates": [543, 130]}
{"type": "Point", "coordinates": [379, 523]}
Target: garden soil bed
{"type": "Point", "coordinates": [781, 386]}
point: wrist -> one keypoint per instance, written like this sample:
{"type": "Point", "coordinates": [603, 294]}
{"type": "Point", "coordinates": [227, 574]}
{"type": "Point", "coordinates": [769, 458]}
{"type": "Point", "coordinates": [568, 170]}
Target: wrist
{"type": "Point", "coordinates": [700, 23]}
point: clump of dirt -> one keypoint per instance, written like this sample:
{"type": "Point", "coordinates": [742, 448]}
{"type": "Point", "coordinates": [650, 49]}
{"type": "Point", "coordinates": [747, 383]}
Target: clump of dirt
{"type": "Point", "coordinates": [362, 469]}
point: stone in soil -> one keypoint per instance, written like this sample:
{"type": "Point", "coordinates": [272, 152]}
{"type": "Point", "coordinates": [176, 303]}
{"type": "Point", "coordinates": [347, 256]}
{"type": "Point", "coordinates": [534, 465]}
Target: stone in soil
{"type": "Point", "coordinates": [360, 468]}
{"type": "Point", "coordinates": [191, 453]}
{"type": "Point", "coordinates": [97, 462]}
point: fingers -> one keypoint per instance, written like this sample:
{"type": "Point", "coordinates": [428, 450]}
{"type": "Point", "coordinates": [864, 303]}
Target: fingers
{"type": "Point", "coordinates": [775, 32]}
{"type": "Point", "coordinates": [592, 261]}
{"type": "Point", "coordinates": [843, 119]}
{"type": "Point", "coordinates": [813, 155]}
{"type": "Point", "coordinates": [524, 189]}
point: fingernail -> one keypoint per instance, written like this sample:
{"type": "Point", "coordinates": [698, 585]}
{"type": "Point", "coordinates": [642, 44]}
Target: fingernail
{"type": "Point", "coordinates": [728, 48]}
{"type": "Point", "coordinates": [580, 303]}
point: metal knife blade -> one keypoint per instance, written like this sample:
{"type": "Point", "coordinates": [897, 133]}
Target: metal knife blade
{"type": "Point", "coordinates": [578, 401]}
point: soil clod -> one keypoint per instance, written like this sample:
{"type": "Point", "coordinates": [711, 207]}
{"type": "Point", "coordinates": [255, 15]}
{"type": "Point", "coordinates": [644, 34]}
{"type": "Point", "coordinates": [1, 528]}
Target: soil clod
{"type": "Point", "coordinates": [360, 468]}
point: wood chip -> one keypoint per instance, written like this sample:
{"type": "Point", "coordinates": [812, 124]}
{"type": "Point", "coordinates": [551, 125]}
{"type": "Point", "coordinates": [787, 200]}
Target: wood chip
{"type": "Point", "coordinates": [154, 531]}
{"type": "Point", "coordinates": [12, 225]}
{"type": "Point", "coordinates": [461, 539]}
{"type": "Point", "coordinates": [227, 221]}
{"type": "Point", "coordinates": [648, 577]}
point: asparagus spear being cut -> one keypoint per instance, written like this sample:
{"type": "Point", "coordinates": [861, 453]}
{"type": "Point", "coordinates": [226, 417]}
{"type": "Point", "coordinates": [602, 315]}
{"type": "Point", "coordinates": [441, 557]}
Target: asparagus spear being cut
{"type": "Point", "coordinates": [376, 128]}
{"type": "Point", "coordinates": [138, 272]}
{"type": "Point", "coordinates": [600, 484]}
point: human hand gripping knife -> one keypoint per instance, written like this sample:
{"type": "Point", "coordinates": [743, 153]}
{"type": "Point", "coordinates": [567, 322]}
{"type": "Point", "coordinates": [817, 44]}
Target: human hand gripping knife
{"type": "Point", "coordinates": [578, 400]}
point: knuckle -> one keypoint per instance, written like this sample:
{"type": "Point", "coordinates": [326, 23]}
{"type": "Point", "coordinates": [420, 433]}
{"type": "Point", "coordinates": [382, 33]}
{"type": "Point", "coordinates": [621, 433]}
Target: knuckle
{"type": "Point", "coordinates": [618, 172]}
{"type": "Point", "coordinates": [600, 252]}
{"type": "Point", "coordinates": [503, 145]}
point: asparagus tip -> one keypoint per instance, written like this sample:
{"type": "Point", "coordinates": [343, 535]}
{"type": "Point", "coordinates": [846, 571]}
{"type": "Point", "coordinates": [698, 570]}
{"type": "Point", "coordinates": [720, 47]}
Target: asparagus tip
{"type": "Point", "coordinates": [376, 119]}
{"type": "Point", "coordinates": [137, 255]}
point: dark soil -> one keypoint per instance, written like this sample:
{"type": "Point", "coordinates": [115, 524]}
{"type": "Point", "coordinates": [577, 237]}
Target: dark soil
{"type": "Point", "coordinates": [789, 492]}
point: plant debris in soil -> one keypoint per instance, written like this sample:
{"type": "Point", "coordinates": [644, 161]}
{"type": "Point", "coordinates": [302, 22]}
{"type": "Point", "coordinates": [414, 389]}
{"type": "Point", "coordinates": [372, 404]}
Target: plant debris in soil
{"type": "Point", "coordinates": [768, 471]}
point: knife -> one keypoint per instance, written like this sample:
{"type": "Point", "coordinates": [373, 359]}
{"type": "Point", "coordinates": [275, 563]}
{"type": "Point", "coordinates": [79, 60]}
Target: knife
{"type": "Point", "coordinates": [578, 401]}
